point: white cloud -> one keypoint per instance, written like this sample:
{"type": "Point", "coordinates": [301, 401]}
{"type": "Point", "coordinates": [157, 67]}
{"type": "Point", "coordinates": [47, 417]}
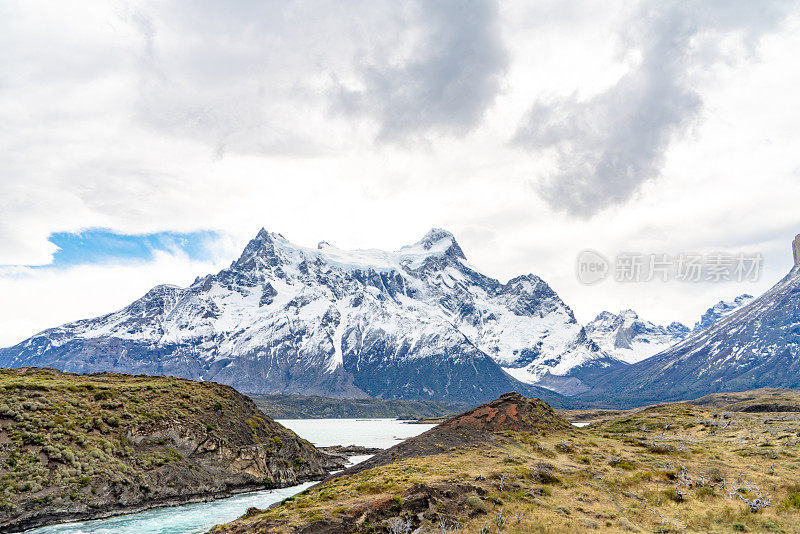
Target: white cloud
{"type": "Point", "coordinates": [42, 298]}
{"type": "Point", "coordinates": [174, 116]}
{"type": "Point", "coordinates": [608, 145]}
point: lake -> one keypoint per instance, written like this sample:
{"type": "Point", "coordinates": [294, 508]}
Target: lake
{"type": "Point", "coordinates": [200, 517]}
{"type": "Point", "coordinates": [381, 433]}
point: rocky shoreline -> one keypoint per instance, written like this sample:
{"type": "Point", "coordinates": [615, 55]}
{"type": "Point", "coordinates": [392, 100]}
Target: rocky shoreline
{"type": "Point", "coordinates": [82, 447]}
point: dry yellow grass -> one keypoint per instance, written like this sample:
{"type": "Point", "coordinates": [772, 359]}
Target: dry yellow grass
{"type": "Point", "coordinates": [672, 468]}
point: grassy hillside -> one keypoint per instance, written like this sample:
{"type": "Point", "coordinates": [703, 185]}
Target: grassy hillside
{"type": "Point", "coordinates": [74, 446]}
{"type": "Point", "coordinates": [670, 468]}
{"type": "Point", "coordinates": [755, 401]}
{"type": "Point", "coordinates": [315, 407]}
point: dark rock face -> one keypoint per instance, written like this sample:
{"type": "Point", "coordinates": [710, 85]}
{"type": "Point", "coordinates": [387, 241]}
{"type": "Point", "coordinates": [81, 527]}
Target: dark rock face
{"type": "Point", "coordinates": [757, 345]}
{"type": "Point", "coordinates": [415, 323]}
{"type": "Point", "coordinates": [111, 444]}
{"type": "Point", "coordinates": [796, 249]}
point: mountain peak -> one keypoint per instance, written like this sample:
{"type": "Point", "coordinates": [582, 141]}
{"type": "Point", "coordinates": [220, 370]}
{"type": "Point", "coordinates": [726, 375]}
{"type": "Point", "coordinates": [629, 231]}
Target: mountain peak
{"type": "Point", "coordinates": [438, 237]}
{"type": "Point", "coordinates": [262, 245]}
{"type": "Point", "coordinates": [720, 309]}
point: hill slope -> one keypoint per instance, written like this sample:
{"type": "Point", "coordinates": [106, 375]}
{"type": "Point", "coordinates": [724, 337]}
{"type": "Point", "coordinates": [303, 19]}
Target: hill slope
{"type": "Point", "coordinates": [669, 468]}
{"type": "Point", "coordinates": [78, 447]}
{"type": "Point", "coordinates": [512, 412]}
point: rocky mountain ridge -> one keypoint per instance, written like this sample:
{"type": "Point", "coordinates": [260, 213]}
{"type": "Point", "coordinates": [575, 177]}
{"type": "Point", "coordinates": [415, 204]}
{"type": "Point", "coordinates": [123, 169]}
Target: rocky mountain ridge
{"type": "Point", "coordinates": [756, 345]}
{"type": "Point", "coordinates": [419, 322]}
{"type": "Point", "coordinates": [632, 339]}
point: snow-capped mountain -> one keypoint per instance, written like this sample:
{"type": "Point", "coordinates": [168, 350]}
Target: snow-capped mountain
{"type": "Point", "coordinates": [416, 322]}
{"type": "Point", "coordinates": [721, 309]}
{"type": "Point", "coordinates": [631, 339]}
{"type": "Point", "coordinates": [756, 345]}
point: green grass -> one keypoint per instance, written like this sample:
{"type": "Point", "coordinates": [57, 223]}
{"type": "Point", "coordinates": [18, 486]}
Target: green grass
{"type": "Point", "coordinates": [66, 435]}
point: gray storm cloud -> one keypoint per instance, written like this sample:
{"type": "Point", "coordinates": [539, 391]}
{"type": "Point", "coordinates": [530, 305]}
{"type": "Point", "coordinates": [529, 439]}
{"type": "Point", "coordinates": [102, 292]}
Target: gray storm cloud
{"type": "Point", "coordinates": [444, 86]}
{"type": "Point", "coordinates": [238, 76]}
{"type": "Point", "coordinates": [607, 146]}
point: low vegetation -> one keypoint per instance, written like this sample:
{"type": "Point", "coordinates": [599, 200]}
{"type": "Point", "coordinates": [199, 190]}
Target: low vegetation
{"type": "Point", "coordinates": [669, 468]}
{"type": "Point", "coordinates": [74, 446]}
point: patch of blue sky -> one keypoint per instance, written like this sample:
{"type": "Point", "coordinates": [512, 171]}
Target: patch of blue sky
{"type": "Point", "coordinates": [99, 245]}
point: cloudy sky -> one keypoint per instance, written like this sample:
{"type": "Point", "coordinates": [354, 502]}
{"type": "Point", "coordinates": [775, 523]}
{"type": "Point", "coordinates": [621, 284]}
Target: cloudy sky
{"type": "Point", "coordinates": [146, 142]}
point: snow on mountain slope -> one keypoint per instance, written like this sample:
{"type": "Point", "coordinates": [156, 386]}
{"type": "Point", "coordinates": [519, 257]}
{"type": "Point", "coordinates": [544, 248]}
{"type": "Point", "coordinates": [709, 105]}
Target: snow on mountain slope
{"type": "Point", "coordinates": [756, 345]}
{"type": "Point", "coordinates": [632, 339]}
{"type": "Point", "coordinates": [721, 309]}
{"type": "Point", "coordinates": [416, 322]}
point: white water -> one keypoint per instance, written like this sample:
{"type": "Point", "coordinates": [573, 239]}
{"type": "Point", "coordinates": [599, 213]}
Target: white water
{"type": "Point", "coordinates": [200, 517]}
{"type": "Point", "coordinates": [186, 519]}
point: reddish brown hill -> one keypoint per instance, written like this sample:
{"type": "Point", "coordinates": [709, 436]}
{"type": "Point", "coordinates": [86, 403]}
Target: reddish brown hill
{"type": "Point", "coordinates": [484, 424]}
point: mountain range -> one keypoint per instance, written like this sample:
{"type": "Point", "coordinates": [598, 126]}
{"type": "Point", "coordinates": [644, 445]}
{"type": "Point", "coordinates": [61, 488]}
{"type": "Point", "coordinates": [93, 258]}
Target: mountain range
{"type": "Point", "coordinates": [753, 346]}
{"type": "Point", "coordinates": [419, 322]}
{"type": "Point", "coordinates": [631, 339]}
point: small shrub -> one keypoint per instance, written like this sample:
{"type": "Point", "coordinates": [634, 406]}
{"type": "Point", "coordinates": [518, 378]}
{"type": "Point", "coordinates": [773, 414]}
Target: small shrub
{"type": "Point", "coordinates": [103, 395]}
{"type": "Point", "coordinates": [543, 473]}
{"type": "Point", "coordinates": [252, 511]}
{"type": "Point", "coordinates": [622, 463]}
{"type": "Point", "coordinates": [371, 488]}
{"type": "Point", "coordinates": [705, 491]}
{"type": "Point", "coordinates": [793, 500]}
{"type": "Point", "coordinates": [476, 503]}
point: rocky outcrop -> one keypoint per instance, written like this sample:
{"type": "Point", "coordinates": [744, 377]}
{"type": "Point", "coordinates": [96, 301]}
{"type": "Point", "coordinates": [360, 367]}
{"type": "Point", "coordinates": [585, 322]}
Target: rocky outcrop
{"type": "Point", "coordinates": [81, 447]}
{"type": "Point", "coordinates": [796, 249]}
